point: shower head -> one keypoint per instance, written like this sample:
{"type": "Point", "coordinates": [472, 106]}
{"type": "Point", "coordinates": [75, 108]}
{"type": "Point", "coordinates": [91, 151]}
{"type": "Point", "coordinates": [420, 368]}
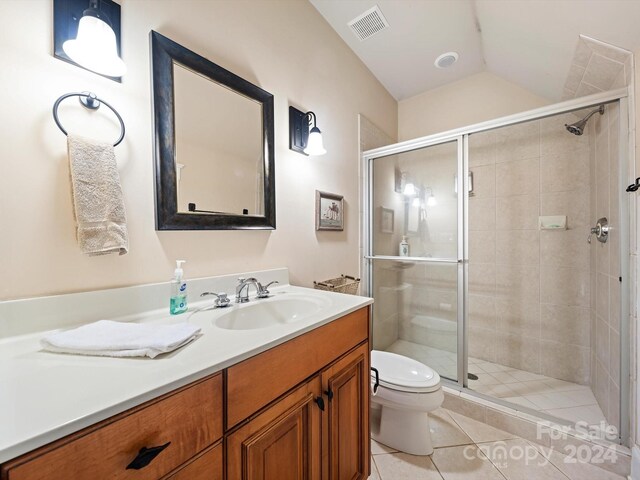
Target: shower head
{"type": "Point", "coordinates": [578, 127]}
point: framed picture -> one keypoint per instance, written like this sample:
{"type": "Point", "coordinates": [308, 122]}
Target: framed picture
{"type": "Point", "coordinates": [386, 220]}
{"type": "Point", "coordinates": [329, 211]}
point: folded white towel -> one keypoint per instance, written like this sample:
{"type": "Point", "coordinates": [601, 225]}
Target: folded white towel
{"type": "Point", "coordinates": [97, 197]}
{"type": "Point", "coordinates": [118, 339]}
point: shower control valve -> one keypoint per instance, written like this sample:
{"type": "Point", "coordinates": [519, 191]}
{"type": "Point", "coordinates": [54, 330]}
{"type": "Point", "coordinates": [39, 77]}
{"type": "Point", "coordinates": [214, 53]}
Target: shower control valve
{"type": "Point", "coordinates": [601, 230]}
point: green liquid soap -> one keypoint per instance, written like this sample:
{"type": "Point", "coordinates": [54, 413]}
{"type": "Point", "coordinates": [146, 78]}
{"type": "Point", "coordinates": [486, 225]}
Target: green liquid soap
{"type": "Point", "coordinates": [178, 295]}
{"type": "Point", "coordinates": [178, 305]}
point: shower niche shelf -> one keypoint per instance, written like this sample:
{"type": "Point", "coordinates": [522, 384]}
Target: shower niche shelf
{"type": "Point", "coordinates": [552, 222]}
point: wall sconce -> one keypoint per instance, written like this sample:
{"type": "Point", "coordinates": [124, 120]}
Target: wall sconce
{"type": "Point", "coordinates": [301, 139]}
{"type": "Point", "coordinates": [87, 33]}
{"type": "Point", "coordinates": [431, 199]}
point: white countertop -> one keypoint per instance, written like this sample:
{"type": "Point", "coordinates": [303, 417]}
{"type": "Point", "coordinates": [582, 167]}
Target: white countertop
{"type": "Point", "coordinates": [46, 396]}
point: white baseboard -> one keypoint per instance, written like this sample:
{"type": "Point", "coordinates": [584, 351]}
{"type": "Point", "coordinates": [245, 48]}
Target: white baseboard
{"type": "Point", "coordinates": [635, 463]}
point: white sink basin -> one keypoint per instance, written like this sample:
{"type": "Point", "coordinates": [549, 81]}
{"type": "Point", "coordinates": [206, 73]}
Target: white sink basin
{"type": "Point", "coordinates": [278, 310]}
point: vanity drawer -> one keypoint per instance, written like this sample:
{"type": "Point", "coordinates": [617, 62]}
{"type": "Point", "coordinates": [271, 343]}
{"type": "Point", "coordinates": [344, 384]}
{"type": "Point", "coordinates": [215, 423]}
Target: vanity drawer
{"type": "Point", "coordinates": [207, 466]}
{"type": "Point", "coordinates": [190, 418]}
{"type": "Point", "coordinates": [259, 380]}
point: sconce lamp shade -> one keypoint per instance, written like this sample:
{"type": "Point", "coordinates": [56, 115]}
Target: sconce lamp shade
{"type": "Point", "coordinates": [409, 189]}
{"type": "Point", "coordinates": [95, 47]}
{"type": "Point", "coordinates": [86, 33]}
{"type": "Point", "coordinates": [314, 143]}
{"type": "Point", "coordinates": [301, 139]}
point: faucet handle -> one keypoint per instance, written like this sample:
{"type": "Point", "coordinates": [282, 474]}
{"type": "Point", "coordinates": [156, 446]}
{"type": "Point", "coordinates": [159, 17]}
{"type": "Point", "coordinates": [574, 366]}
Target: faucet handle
{"type": "Point", "coordinates": [263, 292]}
{"type": "Point", "coordinates": [221, 298]}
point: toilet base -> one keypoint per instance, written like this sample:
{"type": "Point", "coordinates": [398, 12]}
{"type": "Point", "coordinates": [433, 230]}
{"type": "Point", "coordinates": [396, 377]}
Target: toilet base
{"type": "Point", "coordinates": [406, 431]}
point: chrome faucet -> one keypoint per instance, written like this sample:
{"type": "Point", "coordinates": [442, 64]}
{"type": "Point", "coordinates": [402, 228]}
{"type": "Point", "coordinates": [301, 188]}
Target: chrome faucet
{"type": "Point", "coordinates": [244, 283]}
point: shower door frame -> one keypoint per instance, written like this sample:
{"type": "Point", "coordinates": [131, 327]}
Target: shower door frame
{"type": "Point", "coordinates": [461, 136]}
{"type": "Point", "coordinates": [462, 184]}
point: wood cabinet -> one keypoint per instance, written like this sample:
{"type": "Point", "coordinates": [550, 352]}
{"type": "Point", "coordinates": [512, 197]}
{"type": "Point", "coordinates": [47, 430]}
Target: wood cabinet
{"type": "Point", "coordinates": [184, 422]}
{"type": "Point", "coordinates": [282, 443]}
{"type": "Point", "coordinates": [346, 421]}
{"type": "Point", "coordinates": [207, 466]}
{"type": "Point", "coordinates": [257, 381]}
{"type": "Point", "coordinates": [299, 411]}
{"type": "Point", "coordinates": [319, 431]}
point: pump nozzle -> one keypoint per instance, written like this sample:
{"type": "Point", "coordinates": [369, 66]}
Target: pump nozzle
{"type": "Point", "coordinates": [179, 272]}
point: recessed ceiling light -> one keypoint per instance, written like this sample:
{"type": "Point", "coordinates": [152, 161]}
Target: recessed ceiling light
{"type": "Point", "coordinates": [446, 60]}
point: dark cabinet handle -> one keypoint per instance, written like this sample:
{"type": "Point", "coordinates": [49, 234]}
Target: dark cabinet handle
{"type": "Point", "coordinates": [145, 456]}
{"type": "Point", "coordinates": [320, 403]}
{"type": "Point", "coordinates": [329, 394]}
{"type": "Point", "coordinates": [377, 384]}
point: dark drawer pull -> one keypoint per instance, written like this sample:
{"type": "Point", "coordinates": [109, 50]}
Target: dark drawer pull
{"type": "Point", "coordinates": [320, 403]}
{"type": "Point", "coordinates": [145, 456]}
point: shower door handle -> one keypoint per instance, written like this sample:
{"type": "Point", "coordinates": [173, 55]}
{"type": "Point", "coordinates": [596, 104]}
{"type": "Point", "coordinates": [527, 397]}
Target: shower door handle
{"type": "Point", "coordinates": [601, 230]}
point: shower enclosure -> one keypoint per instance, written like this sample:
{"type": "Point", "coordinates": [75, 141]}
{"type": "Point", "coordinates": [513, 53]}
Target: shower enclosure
{"type": "Point", "coordinates": [503, 291]}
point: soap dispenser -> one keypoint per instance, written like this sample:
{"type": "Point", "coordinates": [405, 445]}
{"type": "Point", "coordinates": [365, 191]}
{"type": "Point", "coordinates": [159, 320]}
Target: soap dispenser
{"type": "Point", "coordinates": [404, 247]}
{"type": "Point", "coordinates": [178, 300]}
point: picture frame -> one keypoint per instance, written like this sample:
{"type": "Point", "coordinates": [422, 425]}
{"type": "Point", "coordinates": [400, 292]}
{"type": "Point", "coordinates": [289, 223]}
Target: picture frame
{"type": "Point", "coordinates": [387, 220]}
{"type": "Point", "coordinates": [329, 211]}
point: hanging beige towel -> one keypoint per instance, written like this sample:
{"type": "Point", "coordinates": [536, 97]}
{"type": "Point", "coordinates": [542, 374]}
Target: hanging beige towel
{"type": "Point", "coordinates": [97, 197]}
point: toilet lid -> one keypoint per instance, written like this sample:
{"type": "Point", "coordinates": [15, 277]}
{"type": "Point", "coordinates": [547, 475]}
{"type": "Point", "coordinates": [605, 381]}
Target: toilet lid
{"type": "Point", "coordinates": [402, 373]}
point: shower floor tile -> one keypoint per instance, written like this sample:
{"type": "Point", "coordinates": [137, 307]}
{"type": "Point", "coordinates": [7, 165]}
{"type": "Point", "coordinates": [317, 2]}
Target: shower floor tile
{"type": "Point", "coordinates": [565, 400]}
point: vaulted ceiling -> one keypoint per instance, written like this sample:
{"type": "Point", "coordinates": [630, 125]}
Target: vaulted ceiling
{"type": "Point", "coordinates": [528, 42]}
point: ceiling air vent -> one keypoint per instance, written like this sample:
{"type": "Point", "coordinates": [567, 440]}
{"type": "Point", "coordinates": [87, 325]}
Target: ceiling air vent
{"type": "Point", "coordinates": [368, 24]}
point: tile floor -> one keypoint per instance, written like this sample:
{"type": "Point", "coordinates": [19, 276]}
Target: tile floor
{"type": "Point", "coordinates": [566, 400]}
{"type": "Point", "coordinates": [466, 449]}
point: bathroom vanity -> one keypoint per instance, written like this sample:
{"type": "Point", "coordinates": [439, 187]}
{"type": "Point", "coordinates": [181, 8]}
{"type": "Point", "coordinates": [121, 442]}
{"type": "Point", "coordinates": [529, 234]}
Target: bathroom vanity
{"type": "Point", "coordinates": [296, 408]}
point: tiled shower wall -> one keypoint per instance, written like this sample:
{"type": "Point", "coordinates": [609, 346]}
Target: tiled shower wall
{"type": "Point", "coordinates": [605, 264]}
{"type": "Point", "coordinates": [530, 289]}
{"type": "Point", "coordinates": [597, 67]}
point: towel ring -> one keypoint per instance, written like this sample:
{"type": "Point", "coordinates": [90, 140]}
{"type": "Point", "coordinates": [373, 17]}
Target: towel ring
{"type": "Point", "coordinates": [90, 101]}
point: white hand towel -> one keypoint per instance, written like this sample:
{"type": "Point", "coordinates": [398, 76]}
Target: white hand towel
{"type": "Point", "coordinates": [120, 339]}
{"type": "Point", "coordinates": [97, 197]}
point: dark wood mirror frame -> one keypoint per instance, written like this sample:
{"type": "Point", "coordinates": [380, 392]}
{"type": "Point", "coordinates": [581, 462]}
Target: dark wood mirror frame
{"type": "Point", "coordinates": [164, 52]}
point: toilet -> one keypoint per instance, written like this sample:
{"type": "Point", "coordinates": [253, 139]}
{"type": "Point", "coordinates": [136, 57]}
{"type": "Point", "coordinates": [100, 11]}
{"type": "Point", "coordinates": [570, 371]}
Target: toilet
{"type": "Point", "coordinates": [408, 390]}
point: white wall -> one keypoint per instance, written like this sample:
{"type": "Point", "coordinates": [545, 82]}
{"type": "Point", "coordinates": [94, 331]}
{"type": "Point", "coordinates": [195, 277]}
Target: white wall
{"type": "Point", "coordinates": [283, 46]}
{"type": "Point", "coordinates": [474, 99]}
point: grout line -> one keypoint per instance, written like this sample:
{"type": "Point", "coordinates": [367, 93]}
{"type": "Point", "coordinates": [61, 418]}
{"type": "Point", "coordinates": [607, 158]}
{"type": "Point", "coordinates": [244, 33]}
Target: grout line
{"type": "Point", "coordinates": [540, 450]}
{"type": "Point", "coordinates": [435, 466]}
{"type": "Point", "coordinates": [375, 467]}
{"type": "Point", "coordinates": [384, 453]}
{"type": "Point", "coordinates": [491, 463]}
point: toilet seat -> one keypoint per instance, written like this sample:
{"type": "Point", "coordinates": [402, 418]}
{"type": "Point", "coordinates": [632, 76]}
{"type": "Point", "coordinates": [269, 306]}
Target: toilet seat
{"type": "Point", "coordinates": [404, 374]}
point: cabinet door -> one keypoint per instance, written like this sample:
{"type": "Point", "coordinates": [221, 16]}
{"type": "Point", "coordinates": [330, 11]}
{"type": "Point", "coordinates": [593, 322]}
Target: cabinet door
{"type": "Point", "coordinates": [281, 443]}
{"type": "Point", "coordinates": [345, 386]}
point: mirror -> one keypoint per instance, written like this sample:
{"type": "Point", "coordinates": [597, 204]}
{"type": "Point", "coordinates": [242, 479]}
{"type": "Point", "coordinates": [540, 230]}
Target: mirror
{"type": "Point", "coordinates": [214, 144]}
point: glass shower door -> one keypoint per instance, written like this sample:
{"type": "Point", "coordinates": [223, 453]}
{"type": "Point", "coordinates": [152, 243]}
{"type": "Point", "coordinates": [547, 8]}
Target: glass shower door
{"type": "Point", "coordinates": [416, 253]}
